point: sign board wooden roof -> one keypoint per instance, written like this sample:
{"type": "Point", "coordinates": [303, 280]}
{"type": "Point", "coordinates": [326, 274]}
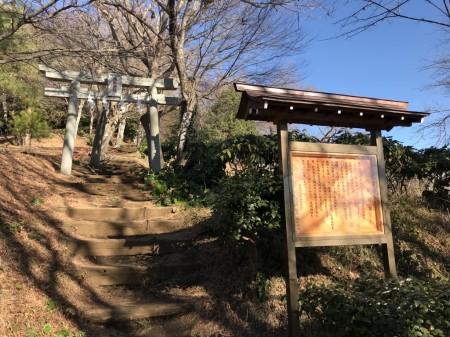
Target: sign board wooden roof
{"type": "Point", "coordinates": [280, 105]}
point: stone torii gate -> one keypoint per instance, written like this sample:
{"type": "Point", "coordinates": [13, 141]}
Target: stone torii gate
{"type": "Point", "coordinates": [114, 83]}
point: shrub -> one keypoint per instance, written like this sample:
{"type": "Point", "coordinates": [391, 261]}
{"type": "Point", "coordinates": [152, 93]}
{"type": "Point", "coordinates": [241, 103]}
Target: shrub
{"type": "Point", "coordinates": [29, 123]}
{"type": "Point", "coordinates": [250, 152]}
{"type": "Point", "coordinates": [219, 121]}
{"type": "Point", "coordinates": [248, 203]}
{"type": "Point", "coordinates": [408, 307]}
{"type": "Point", "coordinates": [168, 189]}
{"type": "Point", "coordinates": [203, 166]}
{"type": "Point", "coordinates": [435, 167]}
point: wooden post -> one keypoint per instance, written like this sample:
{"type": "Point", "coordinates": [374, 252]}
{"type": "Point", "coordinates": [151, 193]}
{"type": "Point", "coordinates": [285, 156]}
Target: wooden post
{"type": "Point", "coordinates": [71, 129]}
{"type": "Point", "coordinates": [291, 259]}
{"type": "Point", "coordinates": [390, 269]}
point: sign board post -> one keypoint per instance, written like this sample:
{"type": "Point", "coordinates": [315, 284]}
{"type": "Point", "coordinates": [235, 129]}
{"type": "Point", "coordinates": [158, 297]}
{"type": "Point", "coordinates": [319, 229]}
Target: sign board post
{"type": "Point", "coordinates": [290, 253]}
{"type": "Point", "coordinates": [390, 269]}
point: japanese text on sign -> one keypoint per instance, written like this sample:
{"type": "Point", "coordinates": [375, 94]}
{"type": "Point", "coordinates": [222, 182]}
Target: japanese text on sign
{"type": "Point", "coordinates": [336, 194]}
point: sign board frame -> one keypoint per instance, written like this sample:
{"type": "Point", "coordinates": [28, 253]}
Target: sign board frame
{"type": "Point", "coordinates": [321, 155]}
{"type": "Point", "coordinates": [292, 241]}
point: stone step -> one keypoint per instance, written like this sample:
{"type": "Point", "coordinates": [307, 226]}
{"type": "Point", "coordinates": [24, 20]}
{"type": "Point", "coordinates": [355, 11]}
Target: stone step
{"type": "Point", "coordinates": [122, 168]}
{"type": "Point", "coordinates": [132, 274]}
{"type": "Point", "coordinates": [98, 201]}
{"type": "Point", "coordinates": [108, 189]}
{"type": "Point", "coordinates": [178, 268]}
{"type": "Point", "coordinates": [110, 179]}
{"type": "Point", "coordinates": [152, 244]}
{"type": "Point", "coordinates": [125, 148]}
{"type": "Point", "coordinates": [103, 275]}
{"type": "Point", "coordinates": [115, 214]}
{"type": "Point", "coordinates": [130, 312]}
{"type": "Point", "coordinates": [103, 229]}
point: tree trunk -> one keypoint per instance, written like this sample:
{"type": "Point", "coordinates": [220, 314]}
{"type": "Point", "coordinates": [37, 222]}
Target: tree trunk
{"type": "Point", "coordinates": [80, 110]}
{"type": "Point", "coordinates": [154, 152]}
{"type": "Point", "coordinates": [120, 132]}
{"type": "Point", "coordinates": [178, 30]}
{"type": "Point", "coordinates": [111, 125]}
{"type": "Point", "coordinates": [25, 140]}
{"type": "Point", "coordinates": [188, 113]}
{"type": "Point", "coordinates": [96, 153]}
{"type": "Point", "coordinates": [91, 122]}
{"type": "Point", "coordinates": [140, 136]}
{"type": "Point", "coordinates": [5, 112]}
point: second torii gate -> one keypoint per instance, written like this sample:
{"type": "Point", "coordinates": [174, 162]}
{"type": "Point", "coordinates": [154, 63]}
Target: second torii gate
{"type": "Point", "coordinates": [114, 83]}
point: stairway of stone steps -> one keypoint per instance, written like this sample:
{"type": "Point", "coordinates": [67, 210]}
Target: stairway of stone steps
{"type": "Point", "coordinates": [120, 242]}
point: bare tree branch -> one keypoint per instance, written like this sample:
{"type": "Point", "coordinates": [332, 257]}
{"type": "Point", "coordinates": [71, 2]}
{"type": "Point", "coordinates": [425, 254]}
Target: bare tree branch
{"type": "Point", "coordinates": [33, 12]}
{"type": "Point", "coordinates": [373, 12]}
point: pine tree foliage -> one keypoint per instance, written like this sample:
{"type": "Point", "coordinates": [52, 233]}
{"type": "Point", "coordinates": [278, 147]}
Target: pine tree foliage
{"type": "Point", "coordinates": [220, 120]}
{"type": "Point", "coordinates": [30, 122]}
{"type": "Point", "coordinates": [19, 82]}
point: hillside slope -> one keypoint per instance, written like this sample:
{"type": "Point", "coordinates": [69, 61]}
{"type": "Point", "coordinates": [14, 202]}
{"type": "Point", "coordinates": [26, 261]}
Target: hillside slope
{"type": "Point", "coordinates": [40, 290]}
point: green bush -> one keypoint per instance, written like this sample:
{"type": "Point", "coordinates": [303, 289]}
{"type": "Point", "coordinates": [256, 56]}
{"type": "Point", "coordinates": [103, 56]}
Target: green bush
{"type": "Point", "coordinates": [220, 122]}
{"type": "Point", "coordinates": [408, 307]}
{"type": "Point", "coordinates": [249, 152]}
{"type": "Point", "coordinates": [30, 122]}
{"type": "Point", "coordinates": [169, 189]}
{"type": "Point", "coordinates": [204, 165]}
{"type": "Point", "coordinates": [434, 166]}
{"type": "Point", "coordinates": [249, 203]}
{"type": "Point", "coordinates": [90, 140]}
{"type": "Point", "coordinates": [249, 197]}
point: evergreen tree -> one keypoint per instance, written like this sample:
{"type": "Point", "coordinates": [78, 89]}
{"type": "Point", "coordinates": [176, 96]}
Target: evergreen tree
{"type": "Point", "coordinates": [220, 120]}
{"type": "Point", "coordinates": [29, 124]}
{"type": "Point", "coordinates": [19, 82]}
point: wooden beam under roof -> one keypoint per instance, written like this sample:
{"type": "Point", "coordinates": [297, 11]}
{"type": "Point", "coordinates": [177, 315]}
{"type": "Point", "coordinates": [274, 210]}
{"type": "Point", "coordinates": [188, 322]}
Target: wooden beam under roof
{"type": "Point", "coordinates": [280, 105]}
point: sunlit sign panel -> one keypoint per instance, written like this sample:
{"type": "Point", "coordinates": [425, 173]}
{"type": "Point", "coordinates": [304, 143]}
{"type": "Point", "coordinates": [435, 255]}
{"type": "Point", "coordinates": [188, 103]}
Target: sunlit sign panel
{"type": "Point", "coordinates": [335, 194]}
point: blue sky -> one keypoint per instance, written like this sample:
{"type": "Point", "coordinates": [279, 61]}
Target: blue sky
{"type": "Point", "coordinates": [385, 62]}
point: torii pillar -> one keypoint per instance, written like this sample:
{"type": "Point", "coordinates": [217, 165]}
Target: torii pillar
{"type": "Point", "coordinates": [154, 143]}
{"type": "Point", "coordinates": [71, 130]}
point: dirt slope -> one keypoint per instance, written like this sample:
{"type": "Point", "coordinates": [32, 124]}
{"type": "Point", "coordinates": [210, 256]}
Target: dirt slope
{"type": "Point", "coordinates": [40, 290]}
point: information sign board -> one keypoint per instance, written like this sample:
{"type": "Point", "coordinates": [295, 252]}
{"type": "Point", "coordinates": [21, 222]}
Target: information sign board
{"type": "Point", "coordinates": [335, 194]}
